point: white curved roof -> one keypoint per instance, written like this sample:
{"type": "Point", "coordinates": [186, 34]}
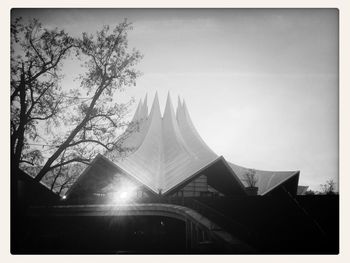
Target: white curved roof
{"type": "Point", "coordinates": [167, 150]}
{"type": "Point", "coordinates": [266, 180]}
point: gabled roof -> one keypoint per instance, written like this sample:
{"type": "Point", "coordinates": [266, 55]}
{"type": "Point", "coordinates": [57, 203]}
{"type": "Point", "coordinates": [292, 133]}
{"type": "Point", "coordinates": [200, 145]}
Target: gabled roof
{"type": "Point", "coordinates": [167, 151]}
{"type": "Point", "coordinates": [32, 193]}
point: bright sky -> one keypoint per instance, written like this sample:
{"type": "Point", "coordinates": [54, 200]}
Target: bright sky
{"type": "Point", "coordinates": [261, 85]}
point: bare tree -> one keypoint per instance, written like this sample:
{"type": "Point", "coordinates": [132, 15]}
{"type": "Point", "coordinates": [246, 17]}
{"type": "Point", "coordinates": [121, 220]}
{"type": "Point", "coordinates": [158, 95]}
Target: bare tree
{"type": "Point", "coordinates": [328, 188]}
{"type": "Point", "coordinates": [250, 178]}
{"type": "Point", "coordinates": [61, 178]}
{"type": "Point", "coordinates": [81, 123]}
{"type": "Point", "coordinates": [36, 54]}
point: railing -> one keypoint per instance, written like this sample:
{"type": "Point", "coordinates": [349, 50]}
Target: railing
{"type": "Point", "coordinates": [224, 222]}
{"type": "Point", "coordinates": [201, 235]}
{"type": "Point", "coordinates": [221, 220]}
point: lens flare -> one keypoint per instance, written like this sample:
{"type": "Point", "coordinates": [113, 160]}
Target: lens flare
{"type": "Point", "coordinates": [125, 193]}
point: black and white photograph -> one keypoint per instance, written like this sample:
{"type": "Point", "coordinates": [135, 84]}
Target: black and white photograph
{"type": "Point", "coordinates": [175, 131]}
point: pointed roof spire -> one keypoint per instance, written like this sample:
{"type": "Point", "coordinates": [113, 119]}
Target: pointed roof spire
{"type": "Point", "coordinates": [179, 107]}
{"type": "Point", "coordinates": [184, 108]}
{"type": "Point", "coordinates": [155, 107]}
{"type": "Point", "coordinates": [144, 109]}
{"type": "Point", "coordinates": [169, 110]}
{"type": "Point", "coordinates": [187, 115]}
{"type": "Point", "coordinates": [137, 112]}
{"type": "Point", "coordinates": [179, 101]}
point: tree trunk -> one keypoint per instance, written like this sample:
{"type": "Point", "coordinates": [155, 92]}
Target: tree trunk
{"type": "Point", "coordinates": [19, 138]}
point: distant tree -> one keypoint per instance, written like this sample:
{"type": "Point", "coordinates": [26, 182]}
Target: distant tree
{"type": "Point", "coordinates": [250, 178]}
{"type": "Point", "coordinates": [79, 123]}
{"type": "Point", "coordinates": [328, 188]}
{"type": "Point", "coordinates": [64, 177]}
{"type": "Point", "coordinates": [310, 192]}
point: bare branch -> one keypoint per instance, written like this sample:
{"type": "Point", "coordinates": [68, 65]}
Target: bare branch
{"type": "Point", "coordinates": [74, 160]}
{"type": "Point", "coordinates": [28, 162]}
{"type": "Point", "coordinates": [91, 141]}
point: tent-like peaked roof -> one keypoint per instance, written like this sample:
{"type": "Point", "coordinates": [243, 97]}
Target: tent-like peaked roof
{"type": "Point", "coordinates": [166, 151]}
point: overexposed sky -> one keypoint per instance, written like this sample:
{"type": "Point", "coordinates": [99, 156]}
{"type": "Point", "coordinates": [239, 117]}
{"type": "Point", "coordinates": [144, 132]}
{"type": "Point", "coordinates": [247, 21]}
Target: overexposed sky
{"type": "Point", "coordinates": [261, 85]}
